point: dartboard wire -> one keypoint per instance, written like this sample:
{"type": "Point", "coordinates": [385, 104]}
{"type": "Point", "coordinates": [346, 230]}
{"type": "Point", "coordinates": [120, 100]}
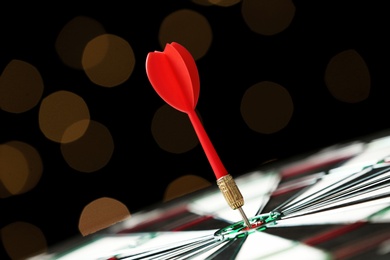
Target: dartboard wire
{"type": "Point", "coordinates": [359, 194]}
{"type": "Point", "coordinates": [189, 251]}
{"type": "Point", "coordinates": [212, 250]}
{"type": "Point", "coordinates": [313, 195]}
{"type": "Point", "coordinates": [201, 245]}
{"type": "Point", "coordinates": [292, 198]}
{"type": "Point", "coordinates": [373, 194]}
{"type": "Point", "coordinates": [295, 185]}
{"type": "Point", "coordinates": [166, 251]}
{"type": "Point", "coordinates": [343, 202]}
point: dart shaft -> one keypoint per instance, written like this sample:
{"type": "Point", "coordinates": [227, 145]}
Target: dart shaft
{"type": "Point", "coordinates": [245, 218]}
{"type": "Point", "coordinates": [214, 160]}
{"type": "Point", "coordinates": [225, 182]}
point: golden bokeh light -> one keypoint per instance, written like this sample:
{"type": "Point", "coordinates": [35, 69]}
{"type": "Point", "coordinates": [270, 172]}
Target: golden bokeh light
{"type": "Point", "coordinates": [22, 240]}
{"type": "Point", "coordinates": [21, 87]}
{"type": "Point", "coordinates": [347, 77]}
{"type": "Point", "coordinates": [189, 28]}
{"type": "Point", "coordinates": [183, 185]}
{"type": "Point", "coordinates": [101, 213]}
{"type": "Point", "coordinates": [224, 3]}
{"type": "Point", "coordinates": [202, 2]}
{"type": "Point", "coordinates": [108, 60]}
{"type": "Point", "coordinates": [173, 131]}
{"type": "Point", "coordinates": [266, 107]}
{"type": "Point", "coordinates": [268, 17]}
{"type": "Point", "coordinates": [73, 38]}
{"type": "Point", "coordinates": [61, 110]}
{"type": "Point", "coordinates": [90, 152]}
{"type": "Point", "coordinates": [21, 168]}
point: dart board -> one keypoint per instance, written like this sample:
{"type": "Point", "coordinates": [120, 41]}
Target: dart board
{"type": "Point", "coordinates": [333, 203]}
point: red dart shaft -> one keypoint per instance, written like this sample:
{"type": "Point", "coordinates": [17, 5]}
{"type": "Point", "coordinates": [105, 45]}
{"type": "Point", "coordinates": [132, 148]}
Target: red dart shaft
{"type": "Point", "coordinates": [225, 182]}
{"type": "Point", "coordinates": [214, 160]}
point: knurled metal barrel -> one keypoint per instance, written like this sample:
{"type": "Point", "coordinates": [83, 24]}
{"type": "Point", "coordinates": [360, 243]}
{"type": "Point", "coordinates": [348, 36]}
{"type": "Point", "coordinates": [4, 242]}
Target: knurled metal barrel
{"type": "Point", "coordinates": [230, 191]}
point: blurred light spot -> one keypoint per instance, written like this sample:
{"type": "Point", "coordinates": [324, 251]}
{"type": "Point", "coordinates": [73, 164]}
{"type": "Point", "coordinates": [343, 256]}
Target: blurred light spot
{"type": "Point", "coordinates": [185, 185]}
{"type": "Point", "coordinates": [173, 131]}
{"type": "Point", "coordinates": [75, 131]}
{"type": "Point", "coordinates": [61, 110]}
{"type": "Point", "coordinates": [20, 168]}
{"type": "Point", "coordinates": [22, 240]}
{"type": "Point", "coordinates": [108, 60]}
{"type": "Point", "coordinates": [224, 3]}
{"type": "Point", "coordinates": [268, 17]}
{"type": "Point", "coordinates": [188, 28]}
{"type": "Point", "coordinates": [266, 107]}
{"type": "Point", "coordinates": [4, 193]}
{"type": "Point", "coordinates": [73, 38]}
{"type": "Point", "coordinates": [21, 87]}
{"type": "Point", "coordinates": [90, 152]}
{"type": "Point", "coordinates": [347, 77]}
{"type": "Point", "coordinates": [100, 214]}
{"type": "Point", "coordinates": [202, 2]}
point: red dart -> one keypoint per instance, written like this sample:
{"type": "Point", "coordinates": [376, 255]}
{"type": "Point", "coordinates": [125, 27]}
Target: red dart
{"type": "Point", "coordinates": [174, 76]}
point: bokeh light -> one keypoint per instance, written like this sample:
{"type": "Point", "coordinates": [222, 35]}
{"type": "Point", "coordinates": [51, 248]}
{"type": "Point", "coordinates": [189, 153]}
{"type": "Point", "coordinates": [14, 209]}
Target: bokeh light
{"type": "Point", "coordinates": [184, 185]}
{"type": "Point", "coordinates": [108, 60]}
{"type": "Point", "coordinates": [189, 28]}
{"type": "Point", "coordinates": [21, 87]}
{"type": "Point", "coordinates": [74, 36]}
{"type": "Point", "coordinates": [224, 3]}
{"type": "Point", "coordinates": [347, 77]}
{"type": "Point", "coordinates": [268, 17]}
{"type": "Point", "coordinates": [173, 131]}
{"type": "Point", "coordinates": [59, 111]}
{"type": "Point", "coordinates": [92, 151]}
{"type": "Point", "coordinates": [22, 240]}
{"type": "Point", "coordinates": [20, 168]}
{"type": "Point", "coordinates": [101, 213]}
{"type": "Point", "coordinates": [267, 107]}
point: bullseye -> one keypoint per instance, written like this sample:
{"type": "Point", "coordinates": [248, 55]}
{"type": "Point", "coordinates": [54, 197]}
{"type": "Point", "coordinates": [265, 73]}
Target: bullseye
{"type": "Point", "coordinates": [238, 229]}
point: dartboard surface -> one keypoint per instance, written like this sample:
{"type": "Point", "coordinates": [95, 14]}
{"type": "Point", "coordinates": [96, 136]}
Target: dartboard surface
{"type": "Point", "coordinates": [330, 204]}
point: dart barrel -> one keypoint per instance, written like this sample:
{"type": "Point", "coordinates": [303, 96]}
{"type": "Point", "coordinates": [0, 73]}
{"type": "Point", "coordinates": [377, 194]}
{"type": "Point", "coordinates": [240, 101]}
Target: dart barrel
{"type": "Point", "coordinates": [230, 191]}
